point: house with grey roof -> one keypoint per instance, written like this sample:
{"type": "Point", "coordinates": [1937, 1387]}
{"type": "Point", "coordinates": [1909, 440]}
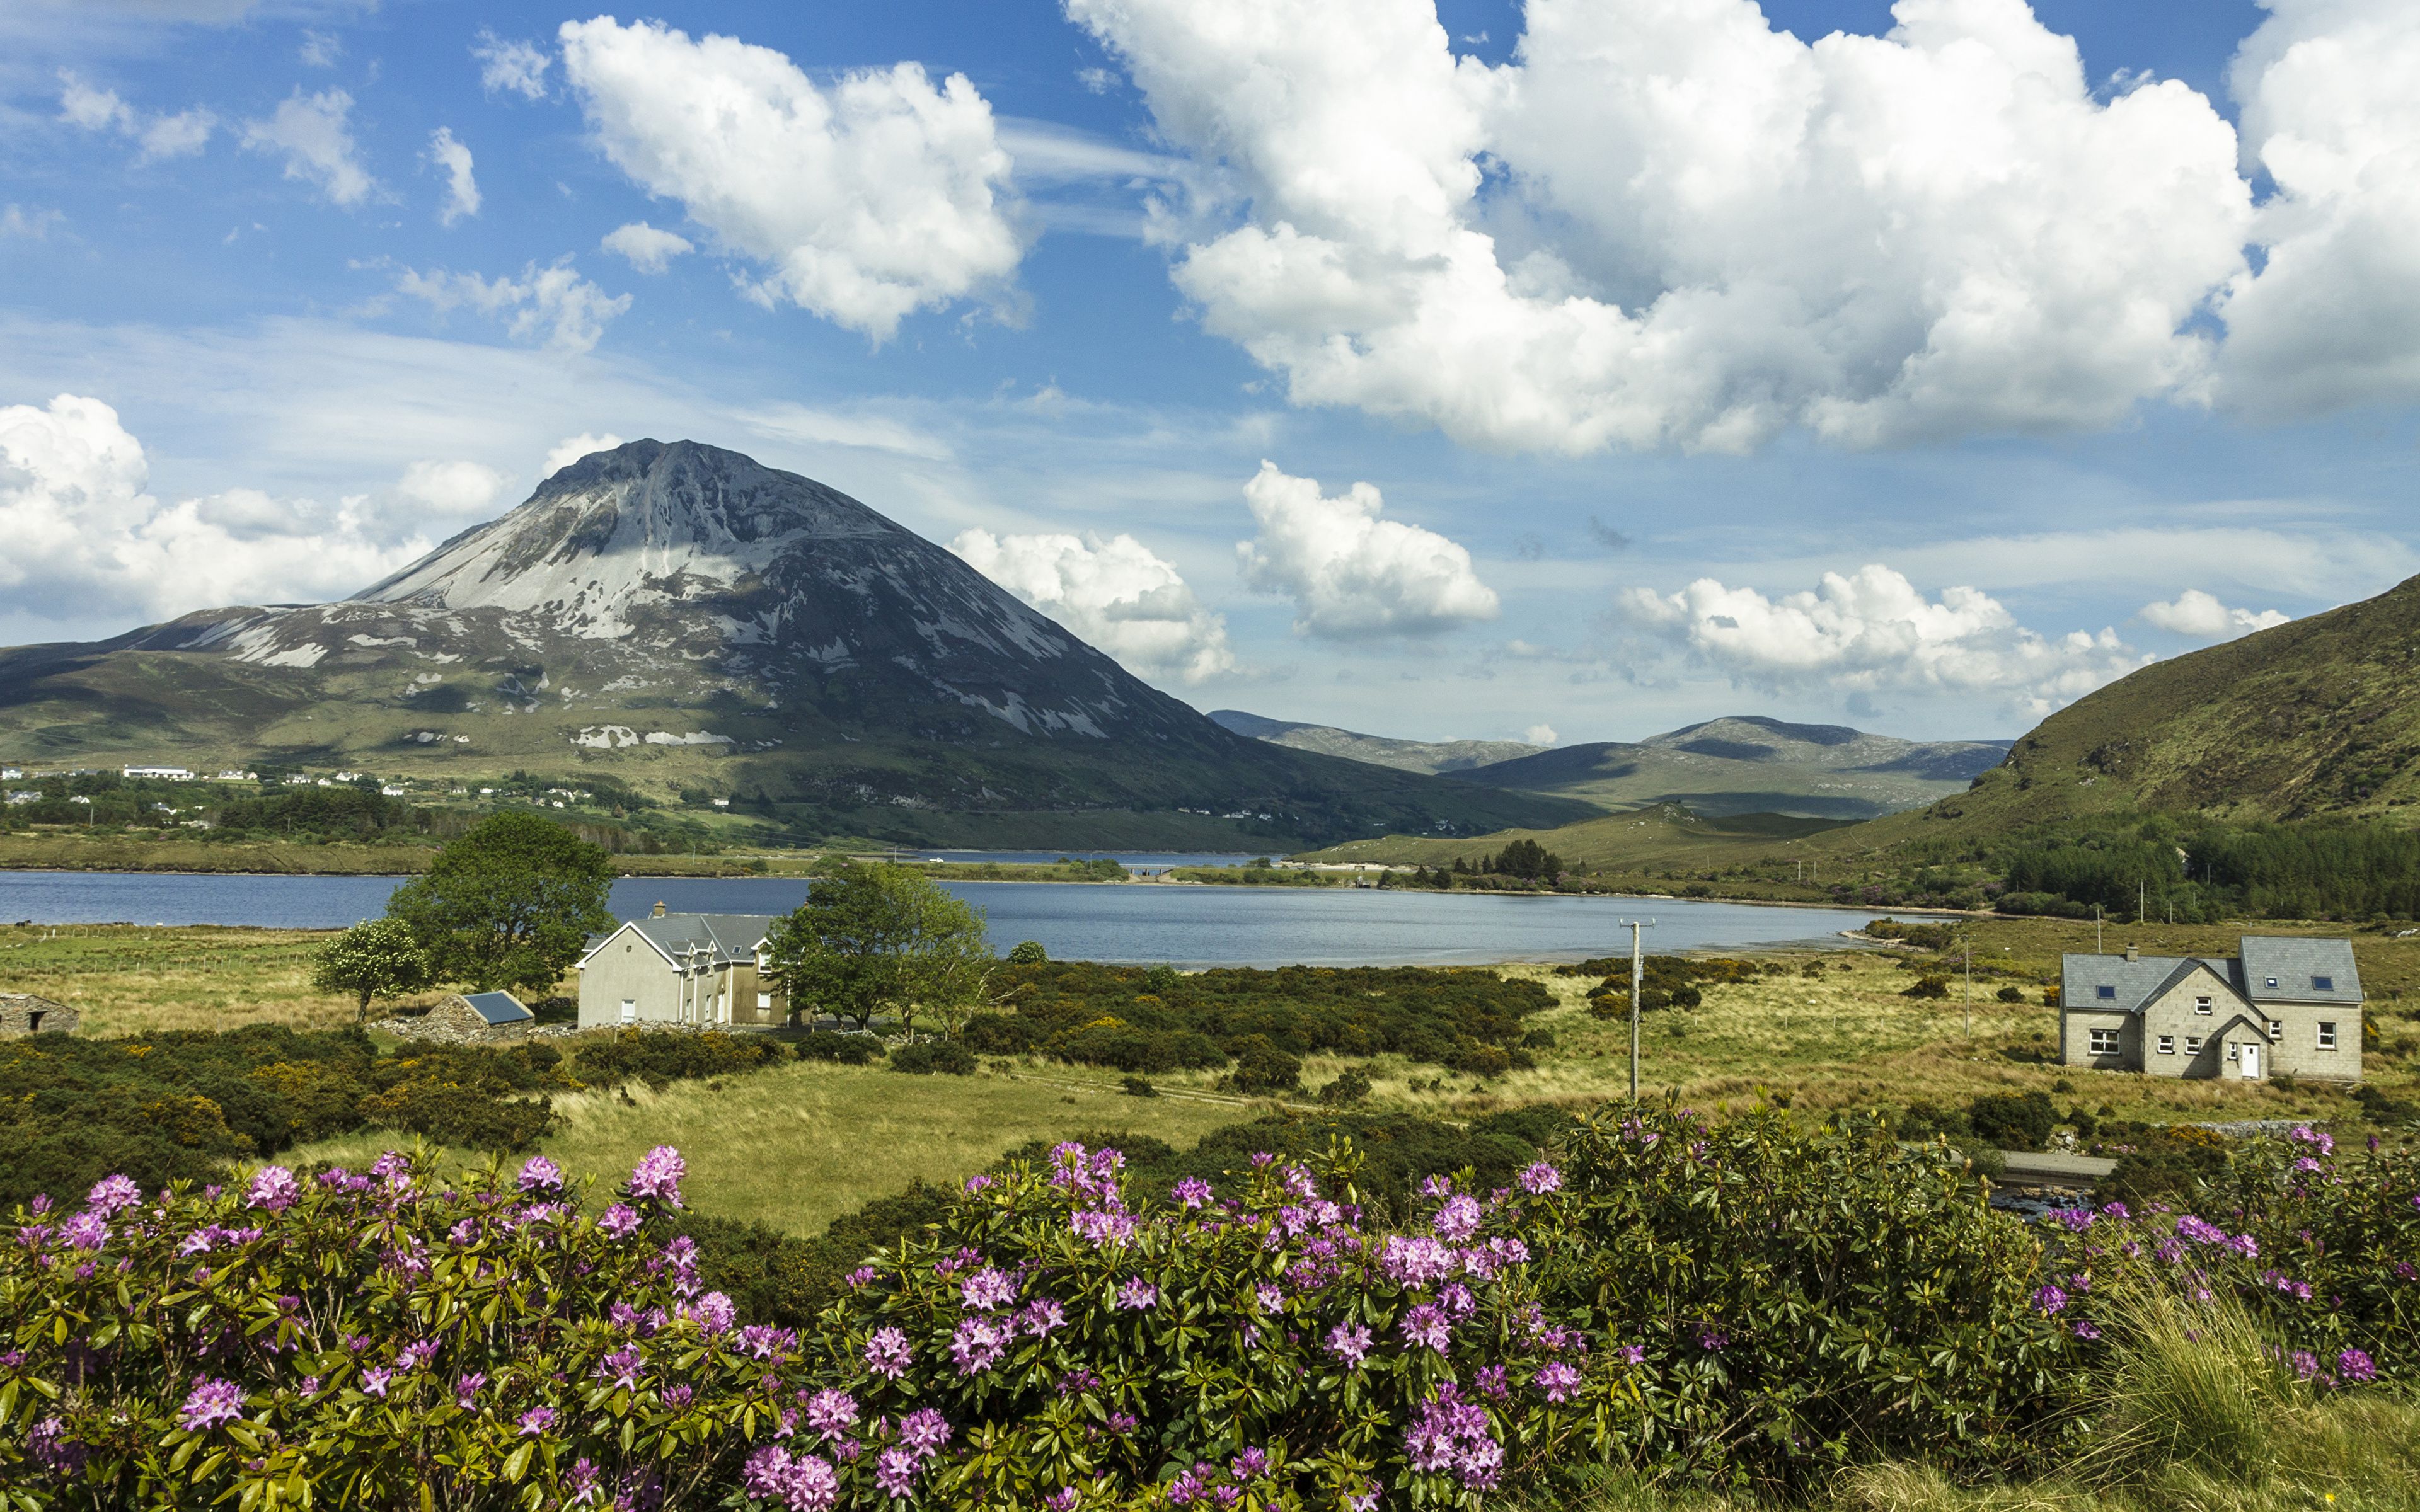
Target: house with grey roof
{"type": "Point", "coordinates": [2281, 1005]}
{"type": "Point", "coordinates": [699, 969]}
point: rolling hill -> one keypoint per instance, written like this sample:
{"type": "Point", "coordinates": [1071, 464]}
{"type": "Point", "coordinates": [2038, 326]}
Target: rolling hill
{"type": "Point", "coordinates": [1428, 756]}
{"type": "Point", "coordinates": [1748, 764]}
{"type": "Point", "coordinates": [682, 618]}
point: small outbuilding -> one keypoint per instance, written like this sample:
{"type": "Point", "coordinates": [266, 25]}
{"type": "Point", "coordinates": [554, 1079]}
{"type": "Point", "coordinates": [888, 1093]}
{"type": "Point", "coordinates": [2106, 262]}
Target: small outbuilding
{"type": "Point", "coordinates": [477, 1017]}
{"type": "Point", "coordinates": [24, 1013]}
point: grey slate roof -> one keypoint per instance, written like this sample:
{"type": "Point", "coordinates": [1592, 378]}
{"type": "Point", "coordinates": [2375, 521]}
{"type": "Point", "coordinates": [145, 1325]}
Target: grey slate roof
{"type": "Point", "coordinates": [498, 1008]}
{"type": "Point", "coordinates": [2292, 963]}
{"type": "Point", "coordinates": [726, 937]}
{"type": "Point", "coordinates": [2286, 970]}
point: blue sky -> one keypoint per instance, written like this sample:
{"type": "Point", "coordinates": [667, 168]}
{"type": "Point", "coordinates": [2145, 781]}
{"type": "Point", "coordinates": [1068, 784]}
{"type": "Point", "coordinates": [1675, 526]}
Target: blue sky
{"type": "Point", "coordinates": [1919, 380]}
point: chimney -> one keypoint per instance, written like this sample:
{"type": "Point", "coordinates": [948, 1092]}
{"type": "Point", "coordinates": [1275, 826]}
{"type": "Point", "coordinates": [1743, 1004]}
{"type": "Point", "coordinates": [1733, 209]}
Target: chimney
{"type": "Point", "coordinates": [2132, 952]}
{"type": "Point", "coordinates": [659, 913]}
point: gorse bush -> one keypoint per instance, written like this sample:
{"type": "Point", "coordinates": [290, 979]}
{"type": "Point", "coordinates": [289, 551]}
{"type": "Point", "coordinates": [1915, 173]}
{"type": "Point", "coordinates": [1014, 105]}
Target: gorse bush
{"type": "Point", "coordinates": [657, 1057]}
{"type": "Point", "coordinates": [1159, 1019]}
{"type": "Point", "coordinates": [181, 1105]}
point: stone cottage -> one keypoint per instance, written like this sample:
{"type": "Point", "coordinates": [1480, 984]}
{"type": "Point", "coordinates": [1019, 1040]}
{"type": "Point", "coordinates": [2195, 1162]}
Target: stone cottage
{"type": "Point", "coordinates": [476, 1018]}
{"type": "Point", "coordinates": [24, 1013]}
{"type": "Point", "coordinates": [2280, 1005]}
{"type": "Point", "coordinates": [680, 968]}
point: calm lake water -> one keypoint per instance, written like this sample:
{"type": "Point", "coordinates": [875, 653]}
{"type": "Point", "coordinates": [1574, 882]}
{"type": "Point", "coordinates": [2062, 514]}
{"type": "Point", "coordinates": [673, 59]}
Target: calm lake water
{"type": "Point", "coordinates": [1141, 922]}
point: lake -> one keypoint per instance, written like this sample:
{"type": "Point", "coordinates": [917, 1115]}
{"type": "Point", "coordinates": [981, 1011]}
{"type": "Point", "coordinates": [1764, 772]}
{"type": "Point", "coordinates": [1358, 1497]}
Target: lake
{"type": "Point", "coordinates": [1134, 922]}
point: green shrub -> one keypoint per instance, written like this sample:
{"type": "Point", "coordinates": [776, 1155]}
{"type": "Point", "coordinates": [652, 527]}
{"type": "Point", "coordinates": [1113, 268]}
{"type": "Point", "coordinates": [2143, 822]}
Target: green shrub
{"type": "Point", "coordinates": [925, 1058]}
{"type": "Point", "coordinates": [2013, 1120]}
{"type": "Point", "coordinates": [1029, 953]}
{"type": "Point", "coordinates": [1262, 1067]}
{"type": "Point", "coordinates": [659, 1056]}
{"type": "Point", "coordinates": [843, 1049]}
{"type": "Point", "coordinates": [1351, 1085]}
{"type": "Point", "coordinates": [1002, 1034]}
{"type": "Point", "coordinates": [1138, 1087]}
{"type": "Point", "coordinates": [2011, 993]}
{"type": "Point", "coordinates": [1930, 987]}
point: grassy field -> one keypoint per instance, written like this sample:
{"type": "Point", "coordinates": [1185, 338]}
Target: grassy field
{"type": "Point", "coordinates": [796, 1145]}
{"type": "Point", "coordinates": [800, 1144]}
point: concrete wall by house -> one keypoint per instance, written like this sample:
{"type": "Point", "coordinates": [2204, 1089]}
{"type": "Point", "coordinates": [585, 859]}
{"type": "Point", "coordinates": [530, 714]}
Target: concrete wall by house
{"type": "Point", "coordinates": [2075, 1048]}
{"type": "Point", "coordinates": [2296, 1049]}
{"type": "Point", "coordinates": [456, 1020]}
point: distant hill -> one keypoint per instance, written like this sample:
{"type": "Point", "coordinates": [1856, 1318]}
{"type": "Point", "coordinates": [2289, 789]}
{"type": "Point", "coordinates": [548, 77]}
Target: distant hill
{"type": "Point", "coordinates": [1748, 764]}
{"type": "Point", "coordinates": [1429, 757]}
{"type": "Point", "coordinates": [682, 618]}
{"type": "Point", "coordinates": [2316, 718]}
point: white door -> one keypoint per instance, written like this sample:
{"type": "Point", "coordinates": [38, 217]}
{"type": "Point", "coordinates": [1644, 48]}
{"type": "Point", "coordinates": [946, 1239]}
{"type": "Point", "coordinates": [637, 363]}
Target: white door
{"type": "Point", "coordinates": [2251, 1062]}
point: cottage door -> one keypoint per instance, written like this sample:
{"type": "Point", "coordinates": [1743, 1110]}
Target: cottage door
{"type": "Point", "coordinates": [2252, 1063]}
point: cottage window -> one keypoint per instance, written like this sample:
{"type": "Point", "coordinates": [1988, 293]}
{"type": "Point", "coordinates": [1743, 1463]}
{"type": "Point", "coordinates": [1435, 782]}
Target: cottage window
{"type": "Point", "coordinates": [2193, 1044]}
{"type": "Point", "coordinates": [2272, 981]}
{"type": "Point", "coordinates": [2276, 1030]}
{"type": "Point", "coordinates": [763, 1001]}
{"type": "Point", "coordinates": [2201, 1007]}
{"type": "Point", "coordinates": [2327, 1035]}
{"type": "Point", "coordinates": [2107, 991]}
{"type": "Point", "coordinates": [2167, 1044]}
{"type": "Point", "coordinates": [2324, 984]}
{"type": "Point", "coordinates": [2104, 1041]}
{"type": "Point", "coordinates": [630, 1011]}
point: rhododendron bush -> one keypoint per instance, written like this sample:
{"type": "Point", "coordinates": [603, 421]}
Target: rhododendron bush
{"type": "Point", "coordinates": [1749, 1300]}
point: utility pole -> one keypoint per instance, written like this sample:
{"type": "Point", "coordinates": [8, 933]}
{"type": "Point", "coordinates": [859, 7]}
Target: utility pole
{"type": "Point", "coordinates": [2096, 930]}
{"type": "Point", "coordinates": [1637, 980]}
{"type": "Point", "coordinates": [1969, 942]}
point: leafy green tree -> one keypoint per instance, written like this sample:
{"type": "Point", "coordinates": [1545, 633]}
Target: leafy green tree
{"type": "Point", "coordinates": [510, 903]}
{"type": "Point", "coordinates": [874, 939]}
{"type": "Point", "coordinates": [376, 958]}
{"type": "Point", "coordinates": [1029, 953]}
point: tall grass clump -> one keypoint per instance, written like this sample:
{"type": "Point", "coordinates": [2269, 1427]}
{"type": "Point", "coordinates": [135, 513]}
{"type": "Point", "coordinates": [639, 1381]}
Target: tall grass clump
{"type": "Point", "coordinates": [2194, 1383]}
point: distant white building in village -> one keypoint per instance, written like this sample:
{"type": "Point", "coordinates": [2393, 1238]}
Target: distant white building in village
{"type": "Point", "coordinates": [171, 774]}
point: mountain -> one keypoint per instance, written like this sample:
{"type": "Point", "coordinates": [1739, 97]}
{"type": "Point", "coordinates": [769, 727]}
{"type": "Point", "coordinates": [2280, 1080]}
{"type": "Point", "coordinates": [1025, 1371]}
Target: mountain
{"type": "Point", "coordinates": [1429, 756]}
{"type": "Point", "coordinates": [1748, 764]}
{"type": "Point", "coordinates": [681, 619]}
{"type": "Point", "coordinates": [2315, 718]}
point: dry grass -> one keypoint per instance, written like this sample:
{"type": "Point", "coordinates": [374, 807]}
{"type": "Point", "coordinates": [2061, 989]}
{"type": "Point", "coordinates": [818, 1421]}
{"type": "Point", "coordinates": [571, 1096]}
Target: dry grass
{"type": "Point", "coordinates": [126, 979]}
{"type": "Point", "coordinates": [799, 1144]}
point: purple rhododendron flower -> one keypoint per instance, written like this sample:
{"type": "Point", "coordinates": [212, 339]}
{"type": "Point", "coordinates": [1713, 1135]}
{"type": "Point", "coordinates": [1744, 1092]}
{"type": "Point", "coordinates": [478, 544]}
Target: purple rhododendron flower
{"type": "Point", "coordinates": [273, 1187]}
{"type": "Point", "coordinates": [714, 1314]}
{"type": "Point", "coordinates": [210, 1402]}
{"type": "Point", "coordinates": [1451, 1434]}
{"type": "Point", "coordinates": [1349, 1342]}
{"type": "Point", "coordinates": [1040, 1317]}
{"type": "Point", "coordinates": [620, 1221]}
{"type": "Point", "coordinates": [895, 1471]}
{"type": "Point", "coordinates": [539, 1174]}
{"type": "Point", "coordinates": [1250, 1464]}
{"type": "Point", "coordinates": [1426, 1325]}
{"type": "Point", "coordinates": [1062, 1499]}
{"type": "Point", "coordinates": [658, 1176]}
{"type": "Point", "coordinates": [831, 1412]}
{"type": "Point", "coordinates": [1541, 1179]}
{"type": "Point", "coordinates": [2355, 1366]}
{"type": "Point", "coordinates": [113, 1195]}
{"type": "Point", "coordinates": [1137, 1295]}
{"type": "Point", "coordinates": [1557, 1379]}
{"type": "Point", "coordinates": [1458, 1219]}
{"type": "Point", "coordinates": [375, 1379]}
{"type": "Point", "coordinates": [978, 1344]}
{"type": "Point", "coordinates": [987, 1288]}
{"type": "Point", "coordinates": [85, 1231]}
{"type": "Point", "coordinates": [2050, 1299]}
{"type": "Point", "coordinates": [537, 1420]}
{"type": "Point", "coordinates": [1192, 1192]}
{"type": "Point", "coordinates": [924, 1430]}
{"type": "Point", "coordinates": [887, 1353]}
{"type": "Point", "coordinates": [804, 1483]}
{"type": "Point", "coordinates": [2083, 1328]}
{"type": "Point", "coordinates": [466, 1390]}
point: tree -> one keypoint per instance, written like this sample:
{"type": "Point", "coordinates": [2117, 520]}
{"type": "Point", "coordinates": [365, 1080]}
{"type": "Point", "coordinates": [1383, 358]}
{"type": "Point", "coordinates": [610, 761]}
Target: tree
{"type": "Point", "coordinates": [872, 940]}
{"type": "Point", "coordinates": [376, 958]}
{"type": "Point", "coordinates": [1029, 953]}
{"type": "Point", "coordinates": [510, 903]}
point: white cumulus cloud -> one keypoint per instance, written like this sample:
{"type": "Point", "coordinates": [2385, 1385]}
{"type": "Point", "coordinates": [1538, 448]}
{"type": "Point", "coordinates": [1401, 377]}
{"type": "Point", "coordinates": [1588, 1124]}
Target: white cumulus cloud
{"type": "Point", "coordinates": [2331, 98]}
{"type": "Point", "coordinates": [646, 247]}
{"type": "Point", "coordinates": [314, 134]}
{"type": "Point", "coordinates": [511, 67]}
{"type": "Point", "coordinates": [863, 202]}
{"type": "Point", "coordinates": [550, 303]}
{"type": "Point", "coordinates": [2201, 616]}
{"type": "Point", "coordinates": [572, 448]}
{"type": "Point", "coordinates": [1874, 629]}
{"type": "Point", "coordinates": [1350, 573]}
{"type": "Point", "coordinates": [1539, 734]}
{"type": "Point", "coordinates": [159, 136]}
{"type": "Point", "coordinates": [461, 190]}
{"type": "Point", "coordinates": [1114, 594]}
{"type": "Point", "coordinates": [87, 537]}
{"type": "Point", "coordinates": [1670, 224]}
